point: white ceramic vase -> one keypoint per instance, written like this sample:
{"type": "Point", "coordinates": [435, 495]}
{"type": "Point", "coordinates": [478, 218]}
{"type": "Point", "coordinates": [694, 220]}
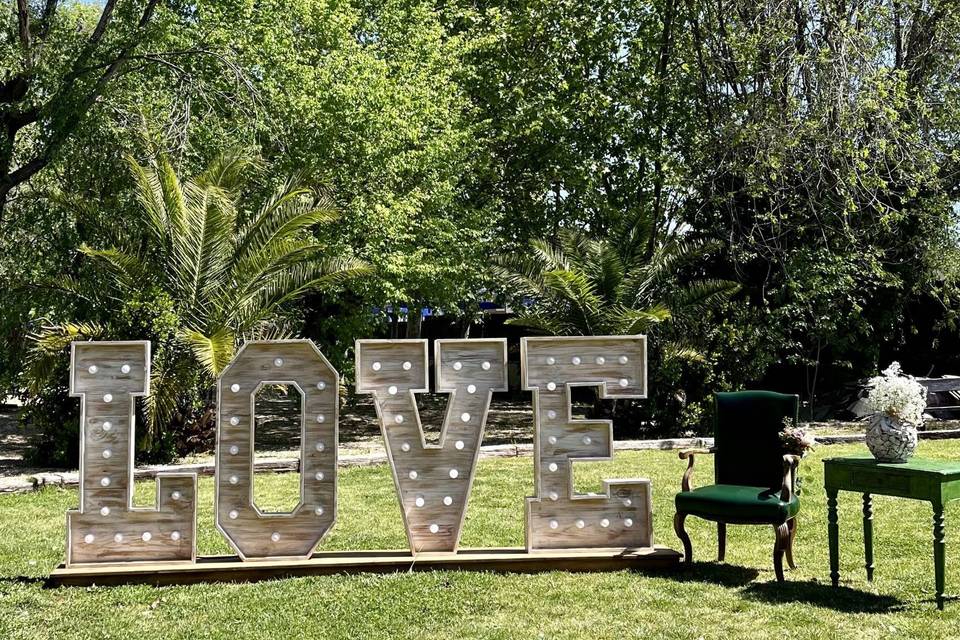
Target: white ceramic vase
{"type": "Point", "coordinates": [890, 440]}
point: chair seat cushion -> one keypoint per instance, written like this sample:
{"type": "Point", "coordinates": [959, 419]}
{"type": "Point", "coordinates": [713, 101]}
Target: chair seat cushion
{"type": "Point", "coordinates": [733, 502]}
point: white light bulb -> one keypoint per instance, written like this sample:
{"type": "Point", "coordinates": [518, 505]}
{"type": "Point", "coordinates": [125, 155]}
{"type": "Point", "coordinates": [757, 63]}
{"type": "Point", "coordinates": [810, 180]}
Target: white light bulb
{"type": "Point", "coordinates": [419, 501]}
{"type": "Point", "coordinates": [413, 475]}
{"type": "Point", "coordinates": [552, 439]}
{"type": "Point", "coordinates": [458, 444]}
{"type": "Point", "coordinates": [89, 538]}
{"type": "Point", "coordinates": [118, 538]}
{"type": "Point", "coordinates": [398, 419]}
{"type": "Point", "coordinates": [107, 425]}
{"type": "Point", "coordinates": [551, 360]}
{"type": "Point", "coordinates": [234, 479]}
{"type": "Point", "coordinates": [624, 382]}
{"type": "Point", "coordinates": [92, 369]}
{"type": "Point", "coordinates": [627, 502]}
{"type": "Point", "coordinates": [376, 366]}
{"type": "Point", "coordinates": [554, 495]}
{"type": "Point", "coordinates": [581, 524]}
{"type": "Point", "coordinates": [275, 536]}
{"type": "Point", "coordinates": [465, 417]}
{"type": "Point", "coordinates": [454, 473]}
{"type": "Point", "coordinates": [318, 511]}
{"type": "Point", "coordinates": [321, 418]}
{"type": "Point", "coordinates": [233, 514]}
{"type": "Point", "coordinates": [108, 397]}
{"type": "Point", "coordinates": [104, 482]}
{"type": "Point", "coordinates": [175, 536]}
{"type": "Point", "coordinates": [104, 511]}
{"type": "Point", "coordinates": [554, 524]}
{"type": "Point", "coordinates": [471, 388]}
{"type": "Point", "coordinates": [125, 369]}
{"type": "Point", "coordinates": [319, 475]}
{"type": "Point", "coordinates": [234, 420]}
{"type": "Point", "coordinates": [176, 495]}
{"type": "Point", "coordinates": [575, 360]}
{"type": "Point", "coordinates": [447, 500]}
{"type": "Point", "coordinates": [234, 450]}
{"type": "Point", "coordinates": [434, 528]}
{"type": "Point", "coordinates": [551, 414]}
{"type": "Point", "coordinates": [587, 440]}
{"type": "Point", "coordinates": [551, 386]}
{"type": "Point", "coordinates": [319, 446]}
{"type": "Point", "coordinates": [392, 390]}
{"type": "Point", "coordinates": [321, 385]}
{"type": "Point", "coordinates": [600, 360]}
{"type": "Point", "coordinates": [628, 522]}
{"type": "Point", "coordinates": [553, 467]}
{"type": "Point", "coordinates": [604, 523]}
{"type": "Point", "coordinates": [235, 387]}
{"type": "Point", "coordinates": [107, 453]}
{"type": "Point", "coordinates": [623, 359]}
{"type": "Point", "coordinates": [485, 366]}
{"type": "Point", "coordinates": [278, 362]}
{"type": "Point", "coordinates": [405, 447]}
{"type": "Point", "coordinates": [457, 366]}
{"type": "Point", "coordinates": [407, 365]}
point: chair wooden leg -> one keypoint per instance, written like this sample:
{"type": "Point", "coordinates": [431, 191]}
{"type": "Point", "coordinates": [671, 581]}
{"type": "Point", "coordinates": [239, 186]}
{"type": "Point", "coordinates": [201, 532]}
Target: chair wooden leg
{"type": "Point", "coordinates": [792, 525]}
{"type": "Point", "coordinates": [684, 538]}
{"type": "Point", "coordinates": [782, 532]}
{"type": "Point", "coordinates": [721, 541]}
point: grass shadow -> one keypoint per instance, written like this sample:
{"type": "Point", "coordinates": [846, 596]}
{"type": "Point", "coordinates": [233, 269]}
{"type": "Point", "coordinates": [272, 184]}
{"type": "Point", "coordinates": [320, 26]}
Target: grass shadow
{"type": "Point", "coordinates": [819, 594]}
{"type": "Point", "coordinates": [724, 575]}
{"type": "Point", "coordinates": [42, 580]}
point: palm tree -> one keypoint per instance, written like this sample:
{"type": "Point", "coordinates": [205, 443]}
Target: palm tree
{"type": "Point", "coordinates": [622, 282]}
{"type": "Point", "coordinates": [220, 274]}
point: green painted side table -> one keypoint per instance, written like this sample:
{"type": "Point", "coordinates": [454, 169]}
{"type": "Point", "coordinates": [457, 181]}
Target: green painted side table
{"type": "Point", "coordinates": [936, 481]}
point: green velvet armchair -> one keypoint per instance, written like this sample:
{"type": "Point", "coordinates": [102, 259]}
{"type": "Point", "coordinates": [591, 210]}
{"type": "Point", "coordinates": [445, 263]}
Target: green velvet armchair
{"type": "Point", "coordinates": [754, 480]}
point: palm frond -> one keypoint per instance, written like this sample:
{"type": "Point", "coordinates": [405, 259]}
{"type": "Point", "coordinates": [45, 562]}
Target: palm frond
{"type": "Point", "coordinates": [128, 269]}
{"type": "Point", "coordinates": [214, 351]}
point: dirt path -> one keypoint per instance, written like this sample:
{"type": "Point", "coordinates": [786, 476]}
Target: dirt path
{"type": "Point", "coordinates": [278, 431]}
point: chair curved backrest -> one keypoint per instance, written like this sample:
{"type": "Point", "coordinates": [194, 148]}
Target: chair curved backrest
{"type": "Point", "coordinates": [746, 430]}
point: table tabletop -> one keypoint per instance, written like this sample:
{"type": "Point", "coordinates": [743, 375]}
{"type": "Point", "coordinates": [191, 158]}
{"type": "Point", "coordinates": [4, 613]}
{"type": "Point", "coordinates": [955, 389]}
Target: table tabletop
{"type": "Point", "coordinates": [912, 466]}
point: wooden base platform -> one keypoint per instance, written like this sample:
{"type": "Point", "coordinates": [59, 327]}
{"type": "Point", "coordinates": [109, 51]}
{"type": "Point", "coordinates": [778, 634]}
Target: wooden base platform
{"type": "Point", "coordinates": [232, 569]}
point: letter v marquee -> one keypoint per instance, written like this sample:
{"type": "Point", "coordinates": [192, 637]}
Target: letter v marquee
{"type": "Point", "coordinates": [557, 517]}
{"type": "Point", "coordinates": [433, 481]}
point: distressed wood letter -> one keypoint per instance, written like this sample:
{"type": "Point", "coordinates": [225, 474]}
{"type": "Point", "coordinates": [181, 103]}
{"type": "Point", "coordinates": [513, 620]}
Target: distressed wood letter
{"type": "Point", "coordinates": [108, 528]}
{"type": "Point", "coordinates": [252, 532]}
{"type": "Point", "coordinates": [558, 518]}
{"type": "Point", "coordinates": [433, 481]}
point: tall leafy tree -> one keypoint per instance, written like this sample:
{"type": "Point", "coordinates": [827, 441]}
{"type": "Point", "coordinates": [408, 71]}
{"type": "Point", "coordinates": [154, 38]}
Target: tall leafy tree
{"type": "Point", "coordinates": [825, 156]}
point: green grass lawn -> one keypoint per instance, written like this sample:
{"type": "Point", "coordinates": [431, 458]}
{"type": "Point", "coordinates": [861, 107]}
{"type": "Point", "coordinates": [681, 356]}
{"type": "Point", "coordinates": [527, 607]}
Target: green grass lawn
{"type": "Point", "coordinates": [738, 599]}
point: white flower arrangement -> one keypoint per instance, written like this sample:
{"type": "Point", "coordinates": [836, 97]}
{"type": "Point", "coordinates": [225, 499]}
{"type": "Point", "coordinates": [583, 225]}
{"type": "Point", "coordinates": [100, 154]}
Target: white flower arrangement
{"type": "Point", "coordinates": [897, 395]}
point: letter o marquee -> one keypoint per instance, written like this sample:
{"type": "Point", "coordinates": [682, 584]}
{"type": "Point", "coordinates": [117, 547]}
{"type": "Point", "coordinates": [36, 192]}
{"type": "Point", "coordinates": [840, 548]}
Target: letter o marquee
{"type": "Point", "coordinates": [252, 532]}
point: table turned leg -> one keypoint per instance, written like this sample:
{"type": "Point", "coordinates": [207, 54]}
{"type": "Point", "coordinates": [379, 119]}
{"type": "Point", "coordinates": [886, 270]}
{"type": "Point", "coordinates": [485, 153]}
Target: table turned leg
{"type": "Point", "coordinates": [939, 550]}
{"type": "Point", "coordinates": [868, 535]}
{"type": "Point", "coordinates": [833, 534]}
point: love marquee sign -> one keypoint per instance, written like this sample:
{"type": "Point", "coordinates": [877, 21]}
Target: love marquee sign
{"type": "Point", "coordinates": [111, 540]}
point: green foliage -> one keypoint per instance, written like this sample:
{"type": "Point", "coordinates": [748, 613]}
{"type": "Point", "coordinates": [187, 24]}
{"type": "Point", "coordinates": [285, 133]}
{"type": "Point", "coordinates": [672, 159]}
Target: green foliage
{"type": "Point", "coordinates": [196, 272]}
{"type": "Point", "coordinates": [628, 281]}
{"type": "Point", "coordinates": [825, 156]}
{"type": "Point", "coordinates": [816, 146]}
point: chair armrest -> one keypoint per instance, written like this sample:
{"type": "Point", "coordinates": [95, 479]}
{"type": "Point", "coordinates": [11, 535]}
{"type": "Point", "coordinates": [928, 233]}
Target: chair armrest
{"type": "Point", "coordinates": [688, 455]}
{"type": "Point", "coordinates": [790, 464]}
